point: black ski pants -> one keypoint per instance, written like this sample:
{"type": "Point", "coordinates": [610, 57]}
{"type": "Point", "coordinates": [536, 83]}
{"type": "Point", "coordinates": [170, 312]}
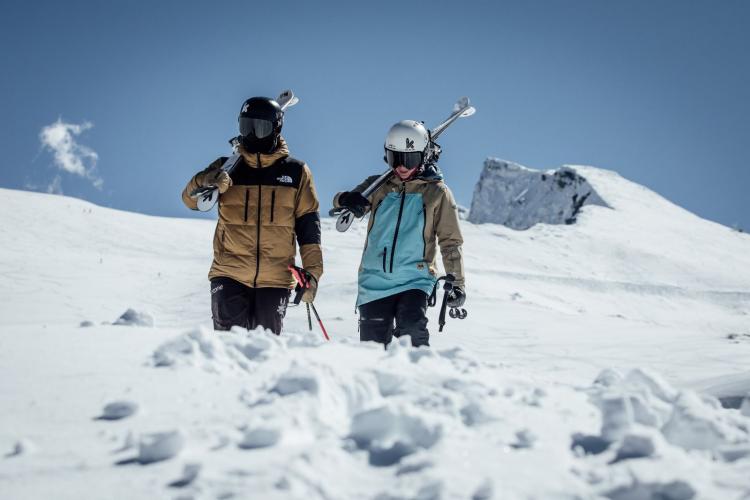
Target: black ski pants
{"type": "Point", "coordinates": [409, 311]}
{"type": "Point", "coordinates": [234, 304]}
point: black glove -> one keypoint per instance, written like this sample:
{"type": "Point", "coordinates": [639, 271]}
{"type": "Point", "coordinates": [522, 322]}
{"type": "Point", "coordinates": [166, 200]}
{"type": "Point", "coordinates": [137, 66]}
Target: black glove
{"type": "Point", "coordinates": [354, 202]}
{"type": "Point", "coordinates": [456, 297]}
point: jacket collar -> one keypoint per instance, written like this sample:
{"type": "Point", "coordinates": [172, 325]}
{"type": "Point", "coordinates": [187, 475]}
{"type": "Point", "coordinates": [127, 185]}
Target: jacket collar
{"type": "Point", "coordinates": [266, 160]}
{"type": "Point", "coordinates": [431, 173]}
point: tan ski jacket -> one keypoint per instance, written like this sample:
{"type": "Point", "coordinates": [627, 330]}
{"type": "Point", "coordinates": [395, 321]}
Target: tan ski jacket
{"type": "Point", "coordinates": [269, 209]}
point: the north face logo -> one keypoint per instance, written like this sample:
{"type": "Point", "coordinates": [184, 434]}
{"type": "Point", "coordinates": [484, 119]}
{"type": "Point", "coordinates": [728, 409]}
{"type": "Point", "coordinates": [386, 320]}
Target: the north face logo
{"type": "Point", "coordinates": [284, 179]}
{"type": "Point", "coordinates": [409, 143]}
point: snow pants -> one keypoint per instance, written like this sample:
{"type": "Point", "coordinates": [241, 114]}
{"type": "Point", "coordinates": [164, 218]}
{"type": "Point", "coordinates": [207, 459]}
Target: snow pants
{"type": "Point", "coordinates": [407, 309]}
{"type": "Point", "coordinates": [234, 304]}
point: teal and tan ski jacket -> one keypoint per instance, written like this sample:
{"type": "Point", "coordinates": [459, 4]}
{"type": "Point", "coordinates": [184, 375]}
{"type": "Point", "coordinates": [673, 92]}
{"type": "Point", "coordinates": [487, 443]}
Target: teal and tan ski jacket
{"type": "Point", "coordinates": [408, 221]}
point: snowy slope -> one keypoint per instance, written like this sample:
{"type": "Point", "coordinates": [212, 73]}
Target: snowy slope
{"type": "Point", "coordinates": [492, 410]}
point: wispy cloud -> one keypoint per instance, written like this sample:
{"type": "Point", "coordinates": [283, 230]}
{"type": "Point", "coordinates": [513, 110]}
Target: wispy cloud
{"type": "Point", "coordinates": [55, 187]}
{"type": "Point", "coordinates": [60, 139]}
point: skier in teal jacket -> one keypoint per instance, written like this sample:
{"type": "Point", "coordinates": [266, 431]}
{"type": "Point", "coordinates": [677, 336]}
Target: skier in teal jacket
{"type": "Point", "coordinates": [412, 214]}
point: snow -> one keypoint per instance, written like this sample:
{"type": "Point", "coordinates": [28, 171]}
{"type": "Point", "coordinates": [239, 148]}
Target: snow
{"type": "Point", "coordinates": [158, 446]}
{"type": "Point", "coordinates": [131, 317]}
{"type": "Point", "coordinates": [118, 409]}
{"type": "Point", "coordinates": [589, 365]}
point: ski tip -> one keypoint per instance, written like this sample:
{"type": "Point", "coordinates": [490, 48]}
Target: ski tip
{"type": "Point", "coordinates": [462, 103]}
{"type": "Point", "coordinates": [287, 99]}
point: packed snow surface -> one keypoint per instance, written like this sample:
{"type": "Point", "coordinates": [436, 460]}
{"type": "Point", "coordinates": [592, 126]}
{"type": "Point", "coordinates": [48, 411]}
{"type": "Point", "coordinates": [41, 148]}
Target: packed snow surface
{"type": "Point", "coordinates": [589, 366]}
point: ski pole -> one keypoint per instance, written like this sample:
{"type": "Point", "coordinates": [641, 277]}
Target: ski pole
{"type": "Point", "coordinates": [441, 318]}
{"type": "Point", "coordinates": [303, 278]}
{"type": "Point", "coordinates": [315, 311]}
{"type": "Point", "coordinates": [455, 312]}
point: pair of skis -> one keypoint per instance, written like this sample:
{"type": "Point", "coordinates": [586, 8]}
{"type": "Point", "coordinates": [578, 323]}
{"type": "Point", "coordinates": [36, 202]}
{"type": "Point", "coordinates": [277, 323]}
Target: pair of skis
{"type": "Point", "coordinates": [208, 196]}
{"type": "Point", "coordinates": [461, 109]}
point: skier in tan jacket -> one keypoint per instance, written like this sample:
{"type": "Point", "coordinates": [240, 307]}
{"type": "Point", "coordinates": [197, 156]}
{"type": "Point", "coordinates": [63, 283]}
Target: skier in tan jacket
{"type": "Point", "coordinates": [267, 206]}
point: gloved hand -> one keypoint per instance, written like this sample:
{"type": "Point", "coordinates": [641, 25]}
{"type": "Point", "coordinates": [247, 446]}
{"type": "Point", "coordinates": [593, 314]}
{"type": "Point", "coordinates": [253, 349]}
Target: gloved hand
{"type": "Point", "coordinates": [456, 297]}
{"type": "Point", "coordinates": [309, 295]}
{"type": "Point", "coordinates": [355, 202]}
{"type": "Point", "coordinates": [214, 177]}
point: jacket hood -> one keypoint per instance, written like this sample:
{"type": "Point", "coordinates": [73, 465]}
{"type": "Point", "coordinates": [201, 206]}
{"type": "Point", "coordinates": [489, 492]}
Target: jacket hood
{"type": "Point", "coordinates": [431, 173]}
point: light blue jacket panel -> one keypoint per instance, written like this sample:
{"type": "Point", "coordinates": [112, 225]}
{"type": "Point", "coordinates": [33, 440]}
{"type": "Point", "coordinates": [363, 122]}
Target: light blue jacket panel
{"type": "Point", "coordinates": [394, 257]}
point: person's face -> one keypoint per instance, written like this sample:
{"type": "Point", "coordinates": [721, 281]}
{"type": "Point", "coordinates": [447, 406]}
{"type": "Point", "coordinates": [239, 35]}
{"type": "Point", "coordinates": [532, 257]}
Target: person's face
{"type": "Point", "coordinates": [404, 173]}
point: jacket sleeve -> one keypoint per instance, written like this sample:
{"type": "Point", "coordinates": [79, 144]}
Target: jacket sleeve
{"type": "Point", "coordinates": [360, 188]}
{"type": "Point", "coordinates": [192, 203]}
{"type": "Point", "coordinates": [307, 225]}
{"type": "Point", "coordinates": [449, 237]}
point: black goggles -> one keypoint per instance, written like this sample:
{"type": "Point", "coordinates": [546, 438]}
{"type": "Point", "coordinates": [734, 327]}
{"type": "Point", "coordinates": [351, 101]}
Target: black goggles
{"type": "Point", "coordinates": [255, 127]}
{"type": "Point", "coordinates": [408, 159]}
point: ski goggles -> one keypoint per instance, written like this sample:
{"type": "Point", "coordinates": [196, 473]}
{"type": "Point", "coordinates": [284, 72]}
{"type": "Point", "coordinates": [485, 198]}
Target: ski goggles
{"type": "Point", "coordinates": [255, 127]}
{"type": "Point", "coordinates": [408, 159]}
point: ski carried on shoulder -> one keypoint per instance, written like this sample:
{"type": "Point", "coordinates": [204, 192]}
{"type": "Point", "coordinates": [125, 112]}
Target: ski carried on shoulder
{"type": "Point", "coordinates": [461, 109]}
{"type": "Point", "coordinates": [208, 196]}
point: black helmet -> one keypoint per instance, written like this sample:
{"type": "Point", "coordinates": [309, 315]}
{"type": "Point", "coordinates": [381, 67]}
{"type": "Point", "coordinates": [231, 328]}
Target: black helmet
{"type": "Point", "coordinates": [260, 123]}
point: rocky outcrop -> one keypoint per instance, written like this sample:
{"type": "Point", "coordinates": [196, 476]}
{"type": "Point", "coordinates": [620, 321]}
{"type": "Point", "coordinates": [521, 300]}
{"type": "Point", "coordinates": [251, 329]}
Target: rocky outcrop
{"type": "Point", "coordinates": [518, 197]}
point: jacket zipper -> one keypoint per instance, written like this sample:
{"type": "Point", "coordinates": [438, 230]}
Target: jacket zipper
{"type": "Point", "coordinates": [385, 252]}
{"type": "Point", "coordinates": [273, 200]}
{"type": "Point", "coordinates": [247, 197]}
{"type": "Point", "coordinates": [398, 223]}
{"type": "Point", "coordinates": [257, 238]}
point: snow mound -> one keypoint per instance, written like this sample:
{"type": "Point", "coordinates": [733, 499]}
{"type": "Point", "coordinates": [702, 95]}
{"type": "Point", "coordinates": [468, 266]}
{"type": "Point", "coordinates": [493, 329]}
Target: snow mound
{"type": "Point", "coordinates": [118, 410]}
{"type": "Point", "coordinates": [21, 447]}
{"type": "Point", "coordinates": [404, 411]}
{"type": "Point", "coordinates": [682, 417]}
{"type": "Point", "coordinates": [519, 197]}
{"type": "Point", "coordinates": [189, 474]}
{"type": "Point", "coordinates": [131, 317]}
{"type": "Point", "coordinates": [404, 418]}
{"type": "Point", "coordinates": [217, 351]}
{"type": "Point", "coordinates": [650, 433]}
{"type": "Point", "coordinates": [391, 433]}
{"type": "Point", "coordinates": [159, 446]}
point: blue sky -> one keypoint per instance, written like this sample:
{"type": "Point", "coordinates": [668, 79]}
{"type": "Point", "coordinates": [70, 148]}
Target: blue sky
{"type": "Point", "coordinates": [658, 91]}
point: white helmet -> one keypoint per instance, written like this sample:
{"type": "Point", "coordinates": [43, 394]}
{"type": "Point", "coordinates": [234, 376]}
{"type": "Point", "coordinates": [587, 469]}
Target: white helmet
{"type": "Point", "coordinates": [406, 144]}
